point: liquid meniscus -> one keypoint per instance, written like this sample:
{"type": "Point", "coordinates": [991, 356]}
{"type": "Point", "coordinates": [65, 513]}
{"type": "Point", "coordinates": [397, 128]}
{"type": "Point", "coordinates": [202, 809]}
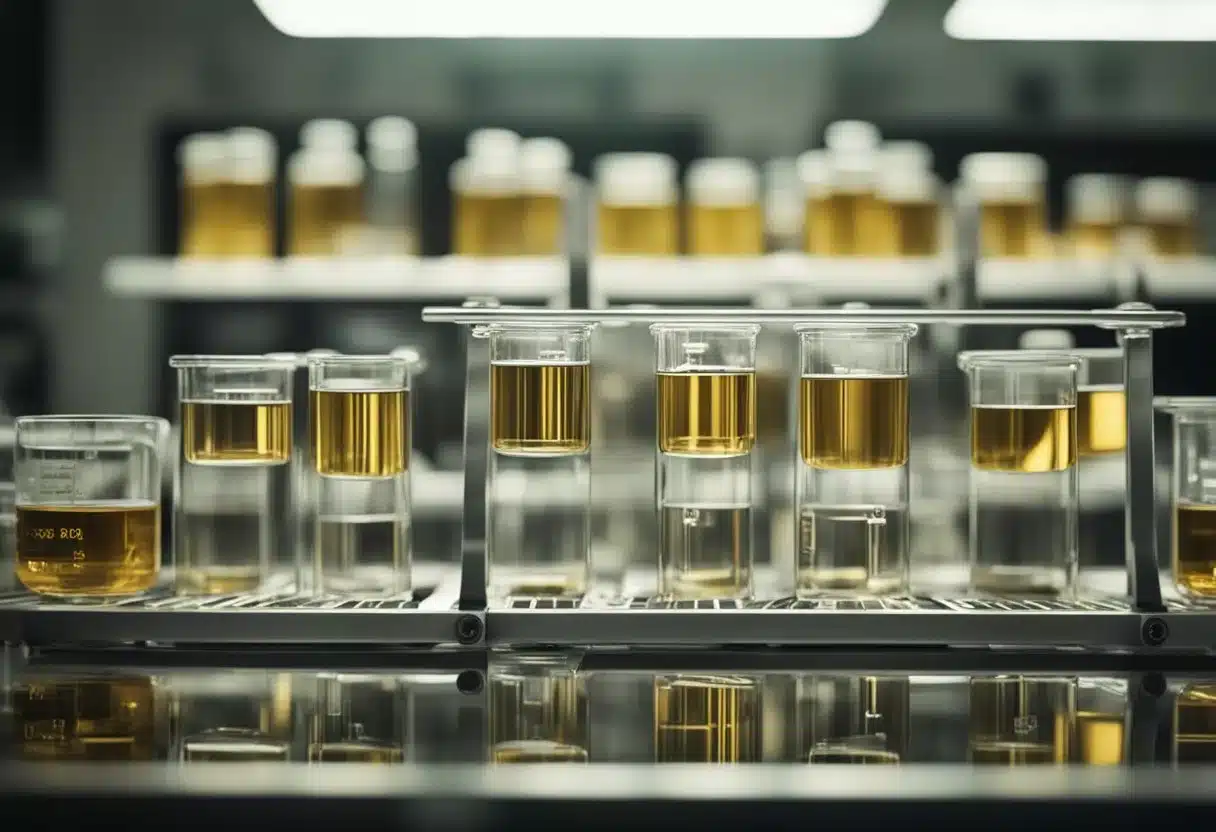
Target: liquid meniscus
{"type": "Point", "coordinates": [707, 414]}
{"type": "Point", "coordinates": [1195, 549]}
{"type": "Point", "coordinates": [1028, 440]}
{"type": "Point", "coordinates": [360, 433]}
{"type": "Point", "coordinates": [88, 550]}
{"type": "Point", "coordinates": [1101, 420]}
{"type": "Point", "coordinates": [540, 409]}
{"type": "Point", "coordinates": [236, 433]}
{"type": "Point", "coordinates": [852, 422]}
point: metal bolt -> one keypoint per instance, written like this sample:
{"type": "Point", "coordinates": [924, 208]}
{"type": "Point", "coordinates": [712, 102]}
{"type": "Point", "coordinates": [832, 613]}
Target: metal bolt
{"type": "Point", "coordinates": [1154, 631]}
{"type": "Point", "coordinates": [470, 682]}
{"type": "Point", "coordinates": [1153, 684]}
{"type": "Point", "coordinates": [468, 629]}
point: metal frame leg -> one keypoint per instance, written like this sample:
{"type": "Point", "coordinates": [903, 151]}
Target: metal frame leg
{"type": "Point", "coordinates": [473, 551]}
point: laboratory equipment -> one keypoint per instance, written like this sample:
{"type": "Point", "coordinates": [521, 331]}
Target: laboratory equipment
{"type": "Point", "coordinates": [360, 451]}
{"type": "Point", "coordinates": [1193, 496]}
{"type": "Point", "coordinates": [853, 719]}
{"type": "Point", "coordinates": [909, 201]}
{"type": "Point", "coordinates": [814, 169]}
{"type": "Point", "coordinates": [88, 504]}
{"type": "Point", "coordinates": [234, 478]}
{"type": "Point", "coordinates": [1194, 725]}
{"type": "Point", "coordinates": [88, 717]}
{"type": "Point", "coordinates": [706, 719]}
{"type": "Point", "coordinates": [1101, 721]}
{"type": "Point", "coordinates": [1021, 720]}
{"type": "Point", "coordinates": [325, 200]}
{"type": "Point", "coordinates": [249, 182]}
{"type": "Point", "coordinates": [358, 719]}
{"type": "Point", "coordinates": [392, 187]}
{"type": "Point", "coordinates": [854, 221]}
{"type": "Point", "coordinates": [1010, 189]}
{"type": "Point", "coordinates": [852, 473]}
{"type": "Point", "coordinates": [538, 709]}
{"type": "Point", "coordinates": [1023, 456]}
{"type": "Point", "coordinates": [638, 197]}
{"type": "Point", "coordinates": [8, 536]}
{"type": "Point", "coordinates": [242, 716]}
{"type": "Point", "coordinates": [1097, 212]}
{"type": "Point", "coordinates": [544, 179]}
{"type": "Point", "coordinates": [539, 476]}
{"type": "Point", "coordinates": [1167, 214]}
{"type": "Point", "coordinates": [706, 383]}
{"type": "Point", "coordinates": [723, 213]}
{"type": "Point", "coordinates": [487, 203]}
{"type": "Point", "coordinates": [202, 159]}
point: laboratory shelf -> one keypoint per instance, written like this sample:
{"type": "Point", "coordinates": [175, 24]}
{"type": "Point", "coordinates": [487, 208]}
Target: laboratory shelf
{"type": "Point", "coordinates": [339, 278]}
{"type": "Point", "coordinates": [1180, 280]}
{"type": "Point", "coordinates": [1001, 280]}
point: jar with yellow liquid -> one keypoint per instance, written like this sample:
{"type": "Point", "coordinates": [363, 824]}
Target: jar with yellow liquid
{"type": "Point", "coordinates": [1010, 190]}
{"type": "Point", "coordinates": [638, 205]}
{"type": "Point", "coordinates": [202, 159]}
{"type": "Point", "coordinates": [1167, 216]}
{"type": "Point", "coordinates": [722, 208]}
{"type": "Point", "coordinates": [1096, 207]}
{"type": "Point", "coordinates": [544, 179]}
{"type": "Point", "coordinates": [1193, 496]}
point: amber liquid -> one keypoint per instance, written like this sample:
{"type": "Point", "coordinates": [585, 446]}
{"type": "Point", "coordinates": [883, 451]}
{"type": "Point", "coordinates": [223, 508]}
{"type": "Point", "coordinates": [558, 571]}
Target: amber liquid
{"type": "Point", "coordinates": [540, 409]}
{"type": "Point", "coordinates": [538, 751]}
{"type": "Point", "coordinates": [853, 422]}
{"type": "Point", "coordinates": [110, 719]}
{"type": "Point", "coordinates": [710, 414]}
{"type": "Point", "coordinates": [354, 752]}
{"type": "Point", "coordinates": [322, 217]}
{"type": "Point", "coordinates": [544, 225]}
{"type": "Point", "coordinates": [249, 221]}
{"type": "Point", "coordinates": [1195, 725]}
{"type": "Point", "coordinates": [1018, 721]}
{"type": "Point", "coordinates": [1195, 549]}
{"type": "Point", "coordinates": [204, 217]}
{"type": "Point", "coordinates": [1101, 420]}
{"type": "Point", "coordinates": [360, 433]}
{"type": "Point", "coordinates": [1100, 738]}
{"type": "Point", "coordinates": [1026, 440]}
{"type": "Point", "coordinates": [652, 230]}
{"type": "Point", "coordinates": [725, 231]}
{"type": "Point", "coordinates": [706, 720]}
{"type": "Point", "coordinates": [488, 225]}
{"type": "Point", "coordinates": [1172, 239]}
{"type": "Point", "coordinates": [236, 433]}
{"type": "Point", "coordinates": [916, 228]}
{"type": "Point", "coordinates": [1013, 229]}
{"type": "Point", "coordinates": [1093, 239]}
{"type": "Point", "coordinates": [88, 550]}
{"type": "Point", "coordinates": [846, 224]}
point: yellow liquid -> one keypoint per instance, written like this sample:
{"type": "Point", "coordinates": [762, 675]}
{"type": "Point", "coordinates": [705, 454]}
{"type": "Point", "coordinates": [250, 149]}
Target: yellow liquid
{"type": "Point", "coordinates": [88, 550]}
{"type": "Point", "coordinates": [1016, 720]}
{"type": "Point", "coordinates": [725, 231]}
{"type": "Point", "coordinates": [538, 751]}
{"type": "Point", "coordinates": [540, 409]}
{"type": "Point", "coordinates": [1101, 420]}
{"type": "Point", "coordinates": [1093, 239]}
{"type": "Point", "coordinates": [851, 422]}
{"type": "Point", "coordinates": [249, 220]}
{"type": "Point", "coordinates": [1195, 549]}
{"type": "Point", "coordinates": [639, 229]}
{"type": "Point", "coordinates": [916, 227]}
{"type": "Point", "coordinates": [217, 580]}
{"type": "Point", "coordinates": [842, 755]}
{"type": "Point", "coordinates": [845, 224]}
{"type": "Point", "coordinates": [110, 719]}
{"type": "Point", "coordinates": [1013, 229]}
{"type": "Point", "coordinates": [321, 216]}
{"type": "Point", "coordinates": [711, 414]}
{"type": "Point", "coordinates": [360, 433]}
{"type": "Point", "coordinates": [204, 207]}
{"type": "Point", "coordinates": [1195, 725]}
{"type": "Point", "coordinates": [1027, 440]}
{"type": "Point", "coordinates": [706, 719]}
{"type": "Point", "coordinates": [488, 224]}
{"type": "Point", "coordinates": [1100, 738]}
{"type": "Point", "coordinates": [354, 752]}
{"type": "Point", "coordinates": [544, 224]}
{"type": "Point", "coordinates": [1172, 239]}
{"type": "Point", "coordinates": [235, 433]}
{"type": "Point", "coordinates": [550, 708]}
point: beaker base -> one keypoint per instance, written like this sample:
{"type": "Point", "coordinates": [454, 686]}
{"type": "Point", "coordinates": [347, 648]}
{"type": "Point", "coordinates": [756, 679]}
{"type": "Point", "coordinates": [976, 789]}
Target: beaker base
{"type": "Point", "coordinates": [219, 581]}
{"type": "Point", "coordinates": [1020, 581]}
{"type": "Point", "coordinates": [821, 583]}
{"type": "Point", "coordinates": [518, 583]}
{"type": "Point", "coordinates": [705, 584]}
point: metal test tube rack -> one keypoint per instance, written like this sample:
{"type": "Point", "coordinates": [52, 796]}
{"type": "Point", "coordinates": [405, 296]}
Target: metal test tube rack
{"type": "Point", "coordinates": [1142, 621]}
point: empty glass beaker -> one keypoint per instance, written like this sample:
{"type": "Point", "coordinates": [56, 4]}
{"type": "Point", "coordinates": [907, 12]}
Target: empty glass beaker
{"type": "Point", "coordinates": [89, 504]}
{"type": "Point", "coordinates": [854, 719]}
{"type": "Point", "coordinates": [1022, 720]}
{"type": "Point", "coordinates": [538, 710]}
{"type": "Point", "coordinates": [358, 718]}
{"type": "Point", "coordinates": [1193, 496]}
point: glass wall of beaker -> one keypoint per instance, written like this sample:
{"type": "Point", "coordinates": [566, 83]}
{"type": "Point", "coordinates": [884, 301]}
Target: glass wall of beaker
{"type": "Point", "coordinates": [1193, 496]}
{"type": "Point", "coordinates": [538, 710]}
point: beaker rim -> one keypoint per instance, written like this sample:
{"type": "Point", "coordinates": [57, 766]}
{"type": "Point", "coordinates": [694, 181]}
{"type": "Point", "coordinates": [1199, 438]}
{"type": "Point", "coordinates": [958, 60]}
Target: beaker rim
{"type": "Point", "coordinates": [92, 418]}
{"type": "Point", "coordinates": [1040, 358]}
{"type": "Point", "coordinates": [705, 326]}
{"type": "Point", "coordinates": [269, 361]}
{"type": "Point", "coordinates": [838, 327]}
{"type": "Point", "coordinates": [535, 326]}
{"type": "Point", "coordinates": [1184, 405]}
{"type": "Point", "coordinates": [343, 358]}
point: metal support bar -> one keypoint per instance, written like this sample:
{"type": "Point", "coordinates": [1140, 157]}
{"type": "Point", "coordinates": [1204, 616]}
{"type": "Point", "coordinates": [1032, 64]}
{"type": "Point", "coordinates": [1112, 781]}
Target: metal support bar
{"type": "Point", "coordinates": [476, 450]}
{"type": "Point", "coordinates": [1145, 692]}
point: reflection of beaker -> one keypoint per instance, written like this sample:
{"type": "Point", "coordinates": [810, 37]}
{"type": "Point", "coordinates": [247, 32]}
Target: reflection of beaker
{"type": "Point", "coordinates": [232, 717]}
{"type": "Point", "coordinates": [98, 718]}
{"type": "Point", "coordinates": [538, 709]}
{"type": "Point", "coordinates": [88, 504]}
{"type": "Point", "coordinates": [1023, 471]}
{"type": "Point", "coordinates": [853, 445]}
{"type": "Point", "coordinates": [1021, 720]}
{"type": "Point", "coordinates": [862, 719]}
{"type": "Point", "coordinates": [1195, 725]}
{"type": "Point", "coordinates": [1101, 718]}
{"type": "Point", "coordinates": [706, 380]}
{"type": "Point", "coordinates": [1193, 496]}
{"type": "Point", "coordinates": [706, 719]}
{"type": "Point", "coordinates": [357, 719]}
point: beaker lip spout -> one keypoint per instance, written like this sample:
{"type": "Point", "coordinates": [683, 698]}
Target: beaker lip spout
{"type": "Point", "coordinates": [839, 327]}
{"type": "Point", "coordinates": [1181, 405]}
{"type": "Point", "coordinates": [1021, 358]}
{"type": "Point", "coordinates": [267, 361]}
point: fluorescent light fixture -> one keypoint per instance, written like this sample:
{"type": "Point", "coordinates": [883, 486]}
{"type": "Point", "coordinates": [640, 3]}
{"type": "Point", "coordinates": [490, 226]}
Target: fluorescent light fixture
{"type": "Point", "coordinates": [1082, 20]}
{"type": "Point", "coordinates": [682, 19]}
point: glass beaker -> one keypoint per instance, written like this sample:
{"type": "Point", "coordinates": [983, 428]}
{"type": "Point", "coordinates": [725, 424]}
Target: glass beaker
{"type": "Point", "coordinates": [232, 717]}
{"type": "Point", "coordinates": [1101, 721]}
{"type": "Point", "coordinates": [89, 504]}
{"type": "Point", "coordinates": [1193, 496]}
{"type": "Point", "coordinates": [538, 710]}
{"type": "Point", "coordinates": [706, 719]}
{"type": "Point", "coordinates": [854, 719]}
{"type": "Point", "coordinates": [638, 211]}
{"type": "Point", "coordinates": [358, 719]}
{"type": "Point", "coordinates": [706, 382]}
{"type": "Point", "coordinates": [853, 438]}
{"type": "Point", "coordinates": [90, 717]}
{"type": "Point", "coordinates": [360, 427]}
{"type": "Point", "coordinates": [233, 483]}
{"type": "Point", "coordinates": [8, 536]}
{"type": "Point", "coordinates": [1021, 720]}
{"type": "Point", "coordinates": [1194, 726]}
{"type": "Point", "coordinates": [1011, 190]}
{"type": "Point", "coordinates": [539, 476]}
{"type": "Point", "coordinates": [1023, 483]}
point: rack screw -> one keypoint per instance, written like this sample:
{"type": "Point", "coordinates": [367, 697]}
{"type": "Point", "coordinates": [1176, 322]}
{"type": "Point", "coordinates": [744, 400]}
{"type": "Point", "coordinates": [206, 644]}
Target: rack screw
{"type": "Point", "coordinates": [1153, 684]}
{"type": "Point", "coordinates": [469, 682]}
{"type": "Point", "coordinates": [468, 629]}
{"type": "Point", "coordinates": [1154, 631]}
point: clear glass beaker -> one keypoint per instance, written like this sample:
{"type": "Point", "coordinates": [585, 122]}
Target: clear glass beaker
{"type": "Point", "coordinates": [360, 453]}
{"type": "Point", "coordinates": [8, 536]}
{"type": "Point", "coordinates": [233, 477]}
{"type": "Point", "coordinates": [706, 719]}
{"type": "Point", "coordinates": [98, 717]}
{"type": "Point", "coordinates": [1193, 496]}
{"type": "Point", "coordinates": [1194, 726]}
{"type": "Point", "coordinates": [538, 710]}
{"type": "Point", "coordinates": [358, 719]}
{"type": "Point", "coordinates": [539, 476]}
{"type": "Point", "coordinates": [1101, 721]}
{"type": "Point", "coordinates": [1021, 720]}
{"type": "Point", "coordinates": [89, 504]}
{"type": "Point", "coordinates": [853, 438]}
{"type": "Point", "coordinates": [706, 382]}
{"type": "Point", "coordinates": [853, 719]}
{"type": "Point", "coordinates": [232, 717]}
{"type": "Point", "coordinates": [1023, 483]}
